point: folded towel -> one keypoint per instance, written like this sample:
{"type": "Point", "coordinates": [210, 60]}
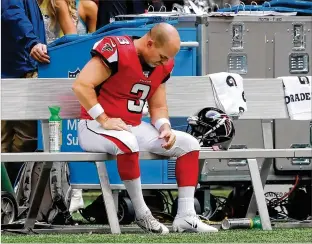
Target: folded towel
{"type": "Point", "coordinates": [298, 96]}
{"type": "Point", "coordinates": [145, 112]}
{"type": "Point", "coordinates": [229, 93]}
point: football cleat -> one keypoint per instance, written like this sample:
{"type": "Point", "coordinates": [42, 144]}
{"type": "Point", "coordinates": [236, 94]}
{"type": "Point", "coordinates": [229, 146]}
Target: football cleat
{"type": "Point", "coordinates": [150, 224]}
{"type": "Point", "coordinates": [191, 223]}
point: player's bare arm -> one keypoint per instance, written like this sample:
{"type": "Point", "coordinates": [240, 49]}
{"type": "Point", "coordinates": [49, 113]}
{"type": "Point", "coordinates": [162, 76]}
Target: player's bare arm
{"type": "Point", "coordinates": [92, 75]}
{"type": "Point", "coordinates": [158, 110]}
{"type": "Point", "coordinates": [158, 105]}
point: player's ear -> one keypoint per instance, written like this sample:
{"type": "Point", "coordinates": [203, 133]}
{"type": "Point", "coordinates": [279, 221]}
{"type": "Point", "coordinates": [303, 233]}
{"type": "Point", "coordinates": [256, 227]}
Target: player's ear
{"type": "Point", "coordinates": [150, 43]}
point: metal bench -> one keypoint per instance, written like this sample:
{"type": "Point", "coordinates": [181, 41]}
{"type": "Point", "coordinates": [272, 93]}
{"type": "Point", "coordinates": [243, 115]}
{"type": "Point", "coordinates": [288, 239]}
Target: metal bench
{"type": "Point", "coordinates": [28, 99]}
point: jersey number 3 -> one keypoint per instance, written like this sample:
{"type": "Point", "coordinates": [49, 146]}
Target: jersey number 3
{"type": "Point", "coordinates": [136, 106]}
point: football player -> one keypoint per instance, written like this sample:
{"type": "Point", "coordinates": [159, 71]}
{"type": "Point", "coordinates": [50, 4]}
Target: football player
{"type": "Point", "coordinates": [123, 74]}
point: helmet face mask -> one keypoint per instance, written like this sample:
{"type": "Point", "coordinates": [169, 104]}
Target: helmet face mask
{"type": "Point", "coordinates": [211, 127]}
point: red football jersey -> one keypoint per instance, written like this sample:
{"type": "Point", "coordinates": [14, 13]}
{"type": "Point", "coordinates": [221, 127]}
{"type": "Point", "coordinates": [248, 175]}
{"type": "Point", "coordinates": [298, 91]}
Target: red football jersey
{"type": "Point", "coordinates": [125, 92]}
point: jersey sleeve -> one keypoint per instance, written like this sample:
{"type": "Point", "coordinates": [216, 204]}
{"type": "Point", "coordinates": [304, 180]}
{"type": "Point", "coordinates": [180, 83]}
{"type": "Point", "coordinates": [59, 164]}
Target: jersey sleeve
{"type": "Point", "coordinates": [166, 78]}
{"type": "Point", "coordinates": [170, 67]}
{"type": "Point", "coordinates": [107, 50]}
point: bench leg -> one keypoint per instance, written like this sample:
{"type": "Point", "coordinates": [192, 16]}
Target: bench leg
{"type": "Point", "coordinates": [206, 189]}
{"type": "Point", "coordinates": [267, 133]}
{"type": "Point", "coordinates": [259, 194]}
{"type": "Point", "coordinates": [264, 172]}
{"type": "Point", "coordinates": [108, 198]}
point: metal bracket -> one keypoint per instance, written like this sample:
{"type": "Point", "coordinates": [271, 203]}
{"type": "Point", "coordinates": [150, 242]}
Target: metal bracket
{"type": "Point", "coordinates": [300, 161]}
{"type": "Point", "coordinates": [299, 42]}
{"type": "Point", "coordinates": [238, 162]}
{"type": "Point", "coordinates": [237, 36]}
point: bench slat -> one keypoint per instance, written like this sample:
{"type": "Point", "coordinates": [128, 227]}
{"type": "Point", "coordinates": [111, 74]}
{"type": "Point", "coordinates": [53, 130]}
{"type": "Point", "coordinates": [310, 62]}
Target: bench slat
{"type": "Point", "coordinates": [28, 99]}
{"type": "Point", "coordinates": [65, 157]}
{"type": "Point", "coordinates": [304, 153]}
{"type": "Point", "coordinates": [204, 154]}
{"type": "Point", "coordinates": [265, 97]}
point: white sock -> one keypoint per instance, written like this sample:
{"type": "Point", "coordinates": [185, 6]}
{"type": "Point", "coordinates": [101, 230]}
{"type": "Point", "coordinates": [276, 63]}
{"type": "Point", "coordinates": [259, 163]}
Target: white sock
{"type": "Point", "coordinates": [186, 192]}
{"type": "Point", "coordinates": [186, 200]}
{"type": "Point", "coordinates": [134, 190]}
{"type": "Point", "coordinates": [76, 193]}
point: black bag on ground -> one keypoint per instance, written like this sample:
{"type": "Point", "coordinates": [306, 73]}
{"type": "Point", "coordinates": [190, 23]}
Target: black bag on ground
{"type": "Point", "coordinates": [54, 208]}
{"type": "Point", "coordinates": [96, 213]}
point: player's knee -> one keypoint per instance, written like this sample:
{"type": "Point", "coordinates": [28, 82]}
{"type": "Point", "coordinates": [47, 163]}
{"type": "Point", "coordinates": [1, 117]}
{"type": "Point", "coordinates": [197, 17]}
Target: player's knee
{"type": "Point", "coordinates": [187, 142]}
{"type": "Point", "coordinates": [84, 144]}
{"type": "Point", "coordinates": [130, 143]}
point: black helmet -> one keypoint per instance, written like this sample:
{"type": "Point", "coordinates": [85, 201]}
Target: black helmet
{"type": "Point", "coordinates": [211, 127]}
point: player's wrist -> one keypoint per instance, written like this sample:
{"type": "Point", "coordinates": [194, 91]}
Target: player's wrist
{"type": "Point", "coordinates": [103, 118]}
{"type": "Point", "coordinates": [162, 123]}
{"type": "Point", "coordinates": [96, 111]}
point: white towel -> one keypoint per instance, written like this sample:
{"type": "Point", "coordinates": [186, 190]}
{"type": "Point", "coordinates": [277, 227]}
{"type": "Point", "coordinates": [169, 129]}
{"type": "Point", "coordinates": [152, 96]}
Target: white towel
{"type": "Point", "coordinates": [228, 91]}
{"type": "Point", "coordinates": [298, 96]}
{"type": "Point", "coordinates": [145, 111]}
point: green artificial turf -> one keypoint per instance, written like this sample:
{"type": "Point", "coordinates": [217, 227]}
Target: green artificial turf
{"type": "Point", "coordinates": [229, 236]}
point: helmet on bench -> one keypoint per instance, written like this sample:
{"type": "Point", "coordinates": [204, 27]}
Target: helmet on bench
{"type": "Point", "coordinates": [212, 127]}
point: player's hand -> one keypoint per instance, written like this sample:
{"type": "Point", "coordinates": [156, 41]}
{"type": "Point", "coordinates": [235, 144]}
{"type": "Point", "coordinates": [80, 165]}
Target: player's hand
{"type": "Point", "coordinates": [115, 124]}
{"type": "Point", "coordinates": [169, 137]}
{"type": "Point", "coordinates": [39, 52]}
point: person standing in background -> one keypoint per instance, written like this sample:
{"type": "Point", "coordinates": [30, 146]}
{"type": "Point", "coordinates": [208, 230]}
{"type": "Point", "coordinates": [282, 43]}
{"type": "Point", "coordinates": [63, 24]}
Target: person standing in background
{"type": "Point", "coordinates": [23, 44]}
{"type": "Point", "coordinates": [108, 9]}
{"type": "Point", "coordinates": [60, 18]}
{"type": "Point", "coordinates": [87, 16]}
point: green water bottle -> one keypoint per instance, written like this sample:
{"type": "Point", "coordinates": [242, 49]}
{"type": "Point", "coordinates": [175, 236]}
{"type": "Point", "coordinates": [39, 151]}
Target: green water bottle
{"type": "Point", "coordinates": [55, 129]}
